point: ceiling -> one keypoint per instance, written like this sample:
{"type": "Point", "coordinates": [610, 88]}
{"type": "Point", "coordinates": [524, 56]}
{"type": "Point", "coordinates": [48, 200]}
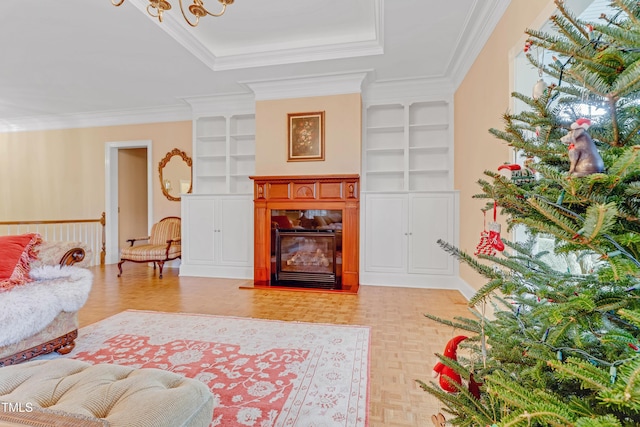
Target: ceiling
{"type": "Point", "coordinates": [77, 63]}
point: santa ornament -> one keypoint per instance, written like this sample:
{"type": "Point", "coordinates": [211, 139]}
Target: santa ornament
{"type": "Point", "coordinates": [447, 375]}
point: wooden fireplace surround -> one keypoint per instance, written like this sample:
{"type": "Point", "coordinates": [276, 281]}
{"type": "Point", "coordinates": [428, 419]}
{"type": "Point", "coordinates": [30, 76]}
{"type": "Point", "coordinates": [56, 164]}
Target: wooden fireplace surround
{"type": "Point", "coordinates": [339, 192]}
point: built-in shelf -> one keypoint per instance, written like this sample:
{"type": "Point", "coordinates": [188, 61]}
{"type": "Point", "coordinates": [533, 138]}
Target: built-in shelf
{"type": "Point", "coordinates": [429, 149]}
{"type": "Point", "coordinates": [386, 172]}
{"type": "Point", "coordinates": [432, 171]}
{"type": "Point", "coordinates": [385, 129]}
{"type": "Point", "coordinates": [408, 146]}
{"type": "Point", "coordinates": [219, 138]}
{"type": "Point", "coordinates": [439, 126]}
{"type": "Point", "coordinates": [212, 156]}
{"type": "Point", "coordinates": [385, 150]}
{"type": "Point", "coordinates": [224, 152]}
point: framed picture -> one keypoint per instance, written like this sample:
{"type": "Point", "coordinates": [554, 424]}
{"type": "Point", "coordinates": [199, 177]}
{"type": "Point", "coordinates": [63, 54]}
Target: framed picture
{"type": "Point", "coordinates": [306, 136]}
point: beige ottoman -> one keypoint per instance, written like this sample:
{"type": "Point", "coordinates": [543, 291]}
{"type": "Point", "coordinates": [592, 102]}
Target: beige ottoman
{"type": "Point", "coordinates": [68, 392]}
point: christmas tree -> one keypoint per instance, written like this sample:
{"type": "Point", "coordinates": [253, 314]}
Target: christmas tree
{"type": "Point", "coordinates": [561, 346]}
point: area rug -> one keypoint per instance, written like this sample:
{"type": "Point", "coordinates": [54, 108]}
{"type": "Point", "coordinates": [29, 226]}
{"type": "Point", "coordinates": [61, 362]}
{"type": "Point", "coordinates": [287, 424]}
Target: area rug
{"type": "Point", "coordinates": [262, 373]}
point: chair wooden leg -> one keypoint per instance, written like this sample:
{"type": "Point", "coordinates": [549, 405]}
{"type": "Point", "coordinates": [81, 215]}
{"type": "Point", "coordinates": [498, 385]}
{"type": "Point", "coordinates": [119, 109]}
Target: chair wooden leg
{"type": "Point", "coordinates": [160, 264]}
{"type": "Point", "coordinates": [120, 268]}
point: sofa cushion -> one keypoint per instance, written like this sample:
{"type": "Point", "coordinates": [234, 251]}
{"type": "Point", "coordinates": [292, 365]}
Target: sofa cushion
{"type": "Point", "coordinates": [26, 310]}
{"type": "Point", "coordinates": [16, 254]}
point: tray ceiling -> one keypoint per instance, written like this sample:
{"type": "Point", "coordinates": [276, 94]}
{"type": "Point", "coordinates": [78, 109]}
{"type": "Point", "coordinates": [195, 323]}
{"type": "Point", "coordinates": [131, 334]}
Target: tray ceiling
{"type": "Point", "coordinates": [88, 59]}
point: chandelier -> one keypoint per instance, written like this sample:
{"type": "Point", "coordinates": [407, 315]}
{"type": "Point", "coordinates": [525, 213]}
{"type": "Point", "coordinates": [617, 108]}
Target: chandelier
{"type": "Point", "coordinates": [197, 9]}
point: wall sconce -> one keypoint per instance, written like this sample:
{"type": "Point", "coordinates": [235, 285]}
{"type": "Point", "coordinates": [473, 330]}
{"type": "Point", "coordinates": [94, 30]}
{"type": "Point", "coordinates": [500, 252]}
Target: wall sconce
{"type": "Point", "coordinates": [185, 186]}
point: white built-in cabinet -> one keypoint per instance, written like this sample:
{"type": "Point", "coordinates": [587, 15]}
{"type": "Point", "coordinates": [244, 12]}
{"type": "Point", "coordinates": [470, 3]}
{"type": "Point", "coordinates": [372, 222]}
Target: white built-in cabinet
{"type": "Point", "coordinates": [217, 239]}
{"type": "Point", "coordinates": [401, 235]}
{"type": "Point", "coordinates": [217, 218]}
{"type": "Point", "coordinates": [409, 202]}
{"type": "Point", "coordinates": [224, 154]}
{"type": "Point", "coordinates": [408, 146]}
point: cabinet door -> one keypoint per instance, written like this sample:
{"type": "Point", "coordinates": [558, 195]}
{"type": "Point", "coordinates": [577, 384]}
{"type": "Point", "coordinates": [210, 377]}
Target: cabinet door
{"type": "Point", "coordinates": [431, 217]}
{"type": "Point", "coordinates": [235, 231]}
{"type": "Point", "coordinates": [386, 233]}
{"type": "Point", "coordinates": [198, 230]}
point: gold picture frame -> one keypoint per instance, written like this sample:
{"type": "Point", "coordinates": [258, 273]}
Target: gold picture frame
{"type": "Point", "coordinates": [306, 136]}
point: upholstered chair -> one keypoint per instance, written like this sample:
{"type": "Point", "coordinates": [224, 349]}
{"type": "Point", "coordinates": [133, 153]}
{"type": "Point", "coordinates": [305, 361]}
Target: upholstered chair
{"type": "Point", "coordinates": [163, 245]}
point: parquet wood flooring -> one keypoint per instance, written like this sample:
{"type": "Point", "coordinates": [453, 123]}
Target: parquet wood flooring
{"type": "Point", "coordinates": [403, 341]}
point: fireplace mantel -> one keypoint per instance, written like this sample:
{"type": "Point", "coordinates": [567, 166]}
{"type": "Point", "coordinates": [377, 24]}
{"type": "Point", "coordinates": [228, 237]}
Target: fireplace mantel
{"type": "Point", "coordinates": [338, 192]}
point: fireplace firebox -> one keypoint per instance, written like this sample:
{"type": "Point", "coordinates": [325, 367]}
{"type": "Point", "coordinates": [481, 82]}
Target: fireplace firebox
{"type": "Point", "coordinates": [306, 257]}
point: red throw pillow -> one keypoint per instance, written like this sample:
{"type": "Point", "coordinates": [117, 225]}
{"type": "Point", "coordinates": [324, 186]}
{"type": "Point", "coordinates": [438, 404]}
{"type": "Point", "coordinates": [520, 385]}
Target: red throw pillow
{"type": "Point", "coordinates": [16, 254]}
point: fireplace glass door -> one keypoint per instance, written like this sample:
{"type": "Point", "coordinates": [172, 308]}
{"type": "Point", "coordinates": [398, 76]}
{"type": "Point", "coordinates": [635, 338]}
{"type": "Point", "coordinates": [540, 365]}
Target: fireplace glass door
{"type": "Point", "coordinates": [306, 256]}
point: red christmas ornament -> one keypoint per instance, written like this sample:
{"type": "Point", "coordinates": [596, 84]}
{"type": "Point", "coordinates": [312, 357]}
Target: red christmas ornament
{"type": "Point", "coordinates": [511, 167]}
{"type": "Point", "coordinates": [448, 375]}
{"type": "Point", "coordinates": [490, 240]}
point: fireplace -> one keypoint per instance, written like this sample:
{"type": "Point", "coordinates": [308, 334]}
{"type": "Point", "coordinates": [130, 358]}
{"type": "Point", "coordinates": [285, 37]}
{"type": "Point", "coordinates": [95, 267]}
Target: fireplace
{"type": "Point", "coordinates": [306, 257]}
{"type": "Point", "coordinates": [313, 217]}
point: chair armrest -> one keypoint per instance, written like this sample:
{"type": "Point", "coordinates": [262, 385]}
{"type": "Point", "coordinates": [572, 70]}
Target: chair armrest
{"type": "Point", "coordinates": [72, 256]}
{"type": "Point", "coordinates": [169, 243]}
{"type": "Point", "coordinates": [136, 239]}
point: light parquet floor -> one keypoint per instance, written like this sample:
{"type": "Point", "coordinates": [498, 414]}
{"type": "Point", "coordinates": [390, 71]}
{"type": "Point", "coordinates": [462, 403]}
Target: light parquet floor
{"type": "Point", "coordinates": [403, 341]}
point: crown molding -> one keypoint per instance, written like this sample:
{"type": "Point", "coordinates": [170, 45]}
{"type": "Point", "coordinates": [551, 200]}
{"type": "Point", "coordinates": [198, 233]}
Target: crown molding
{"type": "Point", "coordinates": [298, 55]}
{"type": "Point", "coordinates": [408, 90]}
{"type": "Point", "coordinates": [479, 27]}
{"type": "Point", "coordinates": [271, 55]}
{"type": "Point", "coordinates": [307, 86]}
{"type": "Point", "coordinates": [222, 105]}
{"type": "Point", "coordinates": [172, 113]}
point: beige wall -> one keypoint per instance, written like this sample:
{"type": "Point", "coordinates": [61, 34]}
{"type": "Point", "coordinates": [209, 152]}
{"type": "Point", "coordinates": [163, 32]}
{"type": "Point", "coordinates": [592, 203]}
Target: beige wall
{"type": "Point", "coordinates": [132, 194]}
{"type": "Point", "coordinates": [480, 101]}
{"type": "Point", "coordinates": [59, 174]}
{"type": "Point", "coordinates": [343, 135]}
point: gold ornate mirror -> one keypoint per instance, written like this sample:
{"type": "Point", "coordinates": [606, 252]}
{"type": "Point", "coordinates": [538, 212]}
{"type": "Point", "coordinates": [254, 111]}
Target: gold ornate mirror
{"type": "Point", "coordinates": [175, 174]}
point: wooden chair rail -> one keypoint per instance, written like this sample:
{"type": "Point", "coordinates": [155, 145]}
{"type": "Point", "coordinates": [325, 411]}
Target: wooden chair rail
{"type": "Point", "coordinates": [66, 227]}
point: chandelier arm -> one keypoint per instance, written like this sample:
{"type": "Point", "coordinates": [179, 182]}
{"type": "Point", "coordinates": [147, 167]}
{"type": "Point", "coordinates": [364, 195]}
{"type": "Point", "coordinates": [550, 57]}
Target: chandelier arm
{"type": "Point", "coordinates": [224, 7]}
{"type": "Point", "coordinates": [152, 14]}
{"type": "Point", "coordinates": [186, 18]}
{"type": "Point", "coordinates": [117, 3]}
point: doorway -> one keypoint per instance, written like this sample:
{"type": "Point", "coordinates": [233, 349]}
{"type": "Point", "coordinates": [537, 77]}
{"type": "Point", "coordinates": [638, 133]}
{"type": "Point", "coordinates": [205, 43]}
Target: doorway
{"type": "Point", "coordinates": [129, 193]}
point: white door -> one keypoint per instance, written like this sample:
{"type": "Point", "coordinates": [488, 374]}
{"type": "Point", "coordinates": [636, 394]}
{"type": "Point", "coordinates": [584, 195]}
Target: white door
{"type": "Point", "coordinates": [386, 232]}
{"type": "Point", "coordinates": [431, 217]}
{"type": "Point", "coordinates": [235, 231]}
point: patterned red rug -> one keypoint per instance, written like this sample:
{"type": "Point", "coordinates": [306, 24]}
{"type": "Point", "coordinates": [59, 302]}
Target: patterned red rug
{"type": "Point", "coordinates": [261, 372]}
